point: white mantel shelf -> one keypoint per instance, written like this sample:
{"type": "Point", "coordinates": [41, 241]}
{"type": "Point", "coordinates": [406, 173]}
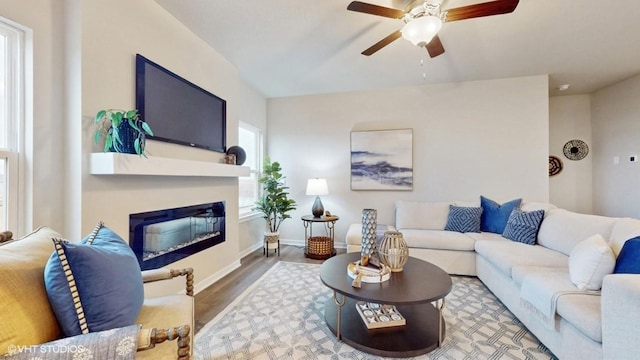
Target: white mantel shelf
{"type": "Point", "coordinates": [128, 164]}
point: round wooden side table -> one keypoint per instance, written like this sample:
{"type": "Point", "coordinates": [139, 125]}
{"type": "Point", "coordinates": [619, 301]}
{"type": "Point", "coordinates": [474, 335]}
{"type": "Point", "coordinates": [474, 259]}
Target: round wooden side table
{"type": "Point", "coordinates": [319, 247]}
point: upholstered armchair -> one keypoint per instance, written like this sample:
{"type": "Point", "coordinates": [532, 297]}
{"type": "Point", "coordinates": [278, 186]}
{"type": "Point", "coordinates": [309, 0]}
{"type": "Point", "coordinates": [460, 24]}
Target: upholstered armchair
{"type": "Point", "coordinates": [161, 330]}
{"type": "Point", "coordinates": [171, 309]}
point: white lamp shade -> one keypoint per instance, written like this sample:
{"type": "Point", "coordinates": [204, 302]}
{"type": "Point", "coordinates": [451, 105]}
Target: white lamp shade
{"type": "Point", "coordinates": [421, 30]}
{"type": "Point", "coordinates": [317, 187]}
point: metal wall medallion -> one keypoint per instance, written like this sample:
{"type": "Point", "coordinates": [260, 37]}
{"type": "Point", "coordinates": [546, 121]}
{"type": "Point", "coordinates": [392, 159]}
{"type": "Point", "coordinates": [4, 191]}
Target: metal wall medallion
{"type": "Point", "coordinates": [575, 149]}
{"type": "Point", "coordinates": [555, 165]}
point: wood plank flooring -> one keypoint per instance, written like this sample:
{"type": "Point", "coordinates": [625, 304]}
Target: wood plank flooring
{"type": "Point", "coordinates": [210, 301]}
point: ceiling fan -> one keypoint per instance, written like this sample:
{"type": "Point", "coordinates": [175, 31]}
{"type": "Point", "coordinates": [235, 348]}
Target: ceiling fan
{"type": "Point", "coordinates": [424, 20]}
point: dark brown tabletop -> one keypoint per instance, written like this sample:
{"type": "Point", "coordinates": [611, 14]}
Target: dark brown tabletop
{"type": "Point", "coordinates": [412, 290]}
{"type": "Point", "coordinates": [322, 218]}
{"type": "Point", "coordinates": [419, 282]}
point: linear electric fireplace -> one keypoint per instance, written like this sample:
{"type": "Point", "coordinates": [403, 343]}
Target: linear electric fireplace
{"type": "Point", "coordinates": [161, 237]}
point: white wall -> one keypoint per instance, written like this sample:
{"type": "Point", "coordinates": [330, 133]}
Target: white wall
{"type": "Point", "coordinates": [44, 155]}
{"type": "Point", "coordinates": [475, 138]}
{"type": "Point", "coordinates": [570, 118]}
{"type": "Point", "coordinates": [615, 112]}
{"type": "Point", "coordinates": [112, 32]}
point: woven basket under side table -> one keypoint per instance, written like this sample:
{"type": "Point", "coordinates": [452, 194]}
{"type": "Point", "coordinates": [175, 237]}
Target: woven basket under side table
{"type": "Point", "coordinates": [320, 247]}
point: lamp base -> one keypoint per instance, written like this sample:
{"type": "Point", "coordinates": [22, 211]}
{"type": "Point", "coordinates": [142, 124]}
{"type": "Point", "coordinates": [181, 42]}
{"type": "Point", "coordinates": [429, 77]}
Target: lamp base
{"type": "Point", "coordinates": [317, 210]}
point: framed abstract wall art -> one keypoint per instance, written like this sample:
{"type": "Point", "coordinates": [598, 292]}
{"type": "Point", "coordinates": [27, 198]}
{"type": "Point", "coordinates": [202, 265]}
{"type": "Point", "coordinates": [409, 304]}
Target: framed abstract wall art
{"type": "Point", "coordinates": [382, 160]}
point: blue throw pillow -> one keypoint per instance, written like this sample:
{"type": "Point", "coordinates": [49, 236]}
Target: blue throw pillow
{"type": "Point", "coordinates": [523, 226]}
{"type": "Point", "coordinates": [495, 216]}
{"type": "Point", "coordinates": [628, 261]}
{"type": "Point", "coordinates": [463, 219]}
{"type": "Point", "coordinates": [95, 284]}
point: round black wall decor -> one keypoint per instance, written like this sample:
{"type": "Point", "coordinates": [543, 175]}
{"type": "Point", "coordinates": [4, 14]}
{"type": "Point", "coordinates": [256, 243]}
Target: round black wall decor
{"type": "Point", "coordinates": [241, 155]}
{"type": "Point", "coordinates": [575, 149]}
{"type": "Point", "coordinates": [555, 165]}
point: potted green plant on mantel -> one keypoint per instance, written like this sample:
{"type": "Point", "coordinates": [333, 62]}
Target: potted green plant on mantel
{"type": "Point", "coordinates": [274, 202]}
{"type": "Point", "coordinates": [123, 130]}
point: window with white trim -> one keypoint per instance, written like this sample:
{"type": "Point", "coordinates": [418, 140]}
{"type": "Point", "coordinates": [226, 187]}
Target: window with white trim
{"type": "Point", "coordinates": [11, 121]}
{"type": "Point", "coordinates": [250, 139]}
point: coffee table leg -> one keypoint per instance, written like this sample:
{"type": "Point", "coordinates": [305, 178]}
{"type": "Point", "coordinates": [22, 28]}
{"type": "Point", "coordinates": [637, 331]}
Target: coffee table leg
{"type": "Point", "coordinates": [335, 299]}
{"type": "Point", "coordinates": [440, 307]}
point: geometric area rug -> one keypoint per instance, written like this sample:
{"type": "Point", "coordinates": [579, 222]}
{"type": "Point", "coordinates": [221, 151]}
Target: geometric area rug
{"type": "Point", "coordinates": [281, 316]}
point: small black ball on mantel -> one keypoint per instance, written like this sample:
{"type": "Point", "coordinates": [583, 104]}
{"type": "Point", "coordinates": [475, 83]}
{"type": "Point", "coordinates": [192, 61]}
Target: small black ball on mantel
{"type": "Point", "coordinates": [241, 155]}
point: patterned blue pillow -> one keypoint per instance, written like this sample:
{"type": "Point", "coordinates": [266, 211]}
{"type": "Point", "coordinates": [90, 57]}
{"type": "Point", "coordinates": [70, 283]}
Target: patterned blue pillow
{"type": "Point", "coordinates": [495, 216]}
{"type": "Point", "coordinates": [464, 219]}
{"type": "Point", "coordinates": [95, 284]}
{"type": "Point", "coordinates": [523, 226]}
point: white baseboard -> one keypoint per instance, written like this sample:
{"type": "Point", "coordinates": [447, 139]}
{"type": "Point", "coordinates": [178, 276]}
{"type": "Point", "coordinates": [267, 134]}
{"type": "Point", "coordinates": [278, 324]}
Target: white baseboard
{"type": "Point", "coordinates": [293, 242]}
{"type": "Point", "coordinates": [251, 249]}
{"type": "Point", "coordinates": [301, 243]}
{"type": "Point", "coordinates": [210, 280]}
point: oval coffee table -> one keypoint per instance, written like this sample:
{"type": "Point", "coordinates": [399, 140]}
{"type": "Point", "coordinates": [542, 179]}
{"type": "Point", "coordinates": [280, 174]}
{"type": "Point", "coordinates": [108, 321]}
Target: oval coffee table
{"type": "Point", "coordinates": [412, 291]}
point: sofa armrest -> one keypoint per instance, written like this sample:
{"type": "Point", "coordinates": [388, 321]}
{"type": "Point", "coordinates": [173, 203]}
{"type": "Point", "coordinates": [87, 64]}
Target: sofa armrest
{"type": "Point", "coordinates": [148, 338]}
{"type": "Point", "coordinates": [165, 274]}
{"type": "Point", "coordinates": [621, 316]}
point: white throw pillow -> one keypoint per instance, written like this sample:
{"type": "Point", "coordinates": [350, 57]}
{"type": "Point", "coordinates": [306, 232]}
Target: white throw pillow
{"type": "Point", "coordinates": [589, 261]}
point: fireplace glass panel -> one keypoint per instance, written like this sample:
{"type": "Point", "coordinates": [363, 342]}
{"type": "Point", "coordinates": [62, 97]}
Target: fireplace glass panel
{"type": "Point", "coordinates": [164, 236]}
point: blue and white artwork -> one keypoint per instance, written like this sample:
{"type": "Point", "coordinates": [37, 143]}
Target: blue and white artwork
{"type": "Point", "coordinates": [382, 160]}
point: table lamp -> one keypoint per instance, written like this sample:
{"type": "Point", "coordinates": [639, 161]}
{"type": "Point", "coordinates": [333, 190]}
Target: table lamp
{"type": "Point", "coordinates": [317, 187]}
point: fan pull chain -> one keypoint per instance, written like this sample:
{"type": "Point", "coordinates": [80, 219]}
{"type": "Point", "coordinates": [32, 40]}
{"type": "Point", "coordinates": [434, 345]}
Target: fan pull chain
{"type": "Point", "coordinates": [424, 74]}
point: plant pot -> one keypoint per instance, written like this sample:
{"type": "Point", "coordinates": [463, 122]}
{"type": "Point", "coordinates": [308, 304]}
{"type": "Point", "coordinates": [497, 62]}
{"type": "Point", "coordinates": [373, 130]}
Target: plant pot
{"type": "Point", "coordinates": [128, 135]}
{"type": "Point", "coordinates": [271, 240]}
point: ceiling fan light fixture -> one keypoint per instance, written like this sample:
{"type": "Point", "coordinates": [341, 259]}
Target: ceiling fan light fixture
{"type": "Point", "coordinates": [421, 30]}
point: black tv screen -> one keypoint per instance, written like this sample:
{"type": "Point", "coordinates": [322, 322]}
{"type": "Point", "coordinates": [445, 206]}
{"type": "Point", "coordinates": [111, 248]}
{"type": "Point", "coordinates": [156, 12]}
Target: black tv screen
{"type": "Point", "coordinates": [177, 110]}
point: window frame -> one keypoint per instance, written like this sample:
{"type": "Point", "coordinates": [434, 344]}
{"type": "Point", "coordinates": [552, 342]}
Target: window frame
{"type": "Point", "coordinates": [247, 212]}
{"type": "Point", "coordinates": [15, 116]}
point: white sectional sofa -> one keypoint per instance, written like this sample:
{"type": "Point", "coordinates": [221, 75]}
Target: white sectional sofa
{"type": "Point", "coordinates": [573, 323]}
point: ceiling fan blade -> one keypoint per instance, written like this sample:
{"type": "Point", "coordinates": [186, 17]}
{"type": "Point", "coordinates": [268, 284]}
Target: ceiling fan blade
{"type": "Point", "coordinates": [434, 47]}
{"type": "Point", "coordinates": [382, 43]}
{"type": "Point", "coordinates": [375, 10]}
{"type": "Point", "coordinates": [483, 9]}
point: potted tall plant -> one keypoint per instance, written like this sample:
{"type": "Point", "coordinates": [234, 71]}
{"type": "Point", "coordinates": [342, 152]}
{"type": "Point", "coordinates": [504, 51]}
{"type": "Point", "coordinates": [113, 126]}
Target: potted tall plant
{"type": "Point", "coordinates": [123, 130]}
{"type": "Point", "coordinates": [274, 201]}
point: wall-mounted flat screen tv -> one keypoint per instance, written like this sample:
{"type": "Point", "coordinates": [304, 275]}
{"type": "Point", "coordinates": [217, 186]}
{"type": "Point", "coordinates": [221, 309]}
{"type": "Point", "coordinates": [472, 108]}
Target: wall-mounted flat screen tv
{"type": "Point", "coordinates": [177, 110]}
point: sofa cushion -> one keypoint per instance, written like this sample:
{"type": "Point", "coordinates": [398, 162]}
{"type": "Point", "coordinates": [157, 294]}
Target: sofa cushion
{"type": "Point", "coordinates": [505, 255]}
{"type": "Point", "coordinates": [523, 226]}
{"type": "Point", "coordinates": [532, 206]}
{"type": "Point", "coordinates": [623, 230]}
{"type": "Point", "coordinates": [519, 272]}
{"type": "Point", "coordinates": [94, 285]}
{"type": "Point", "coordinates": [583, 311]}
{"type": "Point", "coordinates": [25, 313]}
{"type": "Point", "coordinates": [437, 239]}
{"type": "Point", "coordinates": [495, 216]}
{"type": "Point", "coordinates": [628, 262]}
{"type": "Point", "coordinates": [463, 219]}
{"type": "Point", "coordinates": [590, 261]}
{"type": "Point", "coordinates": [562, 230]}
{"type": "Point", "coordinates": [486, 236]}
{"type": "Point", "coordinates": [421, 215]}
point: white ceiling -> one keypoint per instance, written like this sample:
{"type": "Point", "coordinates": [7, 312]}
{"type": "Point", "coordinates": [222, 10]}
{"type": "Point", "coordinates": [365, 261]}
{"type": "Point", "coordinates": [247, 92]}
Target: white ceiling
{"type": "Point", "coordinates": [298, 47]}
